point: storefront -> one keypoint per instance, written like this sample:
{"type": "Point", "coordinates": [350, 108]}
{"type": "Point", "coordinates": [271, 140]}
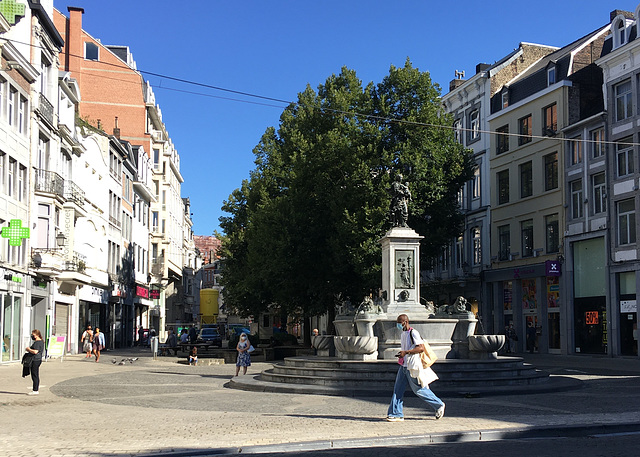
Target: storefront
{"type": "Point", "coordinates": [142, 303]}
{"type": "Point", "coordinates": [628, 319]}
{"type": "Point", "coordinates": [528, 295]}
{"type": "Point", "coordinates": [591, 332]}
{"type": "Point", "coordinates": [93, 310]}
{"type": "Point", "coordinates": [12, 315]}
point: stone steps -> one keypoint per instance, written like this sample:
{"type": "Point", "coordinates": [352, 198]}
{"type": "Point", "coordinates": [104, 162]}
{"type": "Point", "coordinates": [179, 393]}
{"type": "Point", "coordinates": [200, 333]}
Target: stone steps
{"type": "Point", "coordinates": [333, 376]}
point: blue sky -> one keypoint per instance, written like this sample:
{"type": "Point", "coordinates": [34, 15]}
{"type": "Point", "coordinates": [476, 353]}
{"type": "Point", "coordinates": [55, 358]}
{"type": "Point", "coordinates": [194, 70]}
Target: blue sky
{"type": "Point", "coordinates": [275, 48]}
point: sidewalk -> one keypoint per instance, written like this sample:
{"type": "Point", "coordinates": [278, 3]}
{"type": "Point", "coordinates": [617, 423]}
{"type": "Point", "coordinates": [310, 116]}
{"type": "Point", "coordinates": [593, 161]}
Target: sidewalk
{"type": "Point", "coordinates": [148, 406]}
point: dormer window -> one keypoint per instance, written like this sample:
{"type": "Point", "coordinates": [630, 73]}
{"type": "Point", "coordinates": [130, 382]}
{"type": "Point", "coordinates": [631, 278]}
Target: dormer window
{"type": "Point", "coordinates": [90, 51]}
{"type": "Point", "coordinates": [551, 76]}
{"type": "Point", "coordinates": [619, 31]}
{"type": "Point", "coordinates": [505, 98]}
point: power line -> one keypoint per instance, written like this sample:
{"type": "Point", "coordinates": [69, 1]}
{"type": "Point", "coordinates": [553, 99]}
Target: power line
{"type": "Point", "coordinates": [289, 103]}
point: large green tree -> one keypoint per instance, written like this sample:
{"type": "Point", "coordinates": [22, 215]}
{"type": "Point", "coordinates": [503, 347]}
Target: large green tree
{"type": "Point", "coordinates": [303, 231]}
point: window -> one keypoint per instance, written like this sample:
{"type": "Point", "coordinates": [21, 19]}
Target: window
{"type": "Point", "coordinates": [575, 150]}
{"type": "Point", "coordinates": [475, 183]}
{"type": "Point", "coordinates": [22, 183]}
{"type": "Point", "coordinates": [622, 93]}
{"type": "Point", "coordinates": [597, 142]}
{"type": "Point", "coordinates": [551, 171]}
{"type": "Point", "coordinates": [3, 164]}
{"type": "Point", "coordinates": [549, 120]}
{"type": "Point", "coordinates": [552, 232]}
{"type": "Point", "coordinates": [576, 199]}
{"type": "Point", "coordinates": [505, 98]}
{"type": "Point", "coordinates": [22, 109]}
{"type": "Point", "coordinates": [154, 221]}
{"type": "Point", "coordinates": [551, 76]}
{"type": "Point", "coordinates": [156, 159]}
{"type": "Point", "coordinates": [526, 231]}
{"type": "Point", "coordinates": [2, 96]}
{"type": "Point", "coordinates": [474, 125]}
{"type": "Point", "coordinates": [624, 157]}
{"type": "Point", "coordinates": [11, 108]}
{"type": "Point", "coordinates": [459, 252]}
{"type": "Point", "coordinates": [619, 33]}
{"type": "Point", "coordinates": [503, 187]}
{"type": "Point", "coordinates": [502, 139]}
{"type": "Point", "coordinates": [504, 242]}
{"type": "Point", "coordinates": [11, 176]}
{"type": "Point", "coordinates": [627, 222]}
{"type": "Point", "coordinates": [457, 130]}
{"type": "Point", "coordinates": [90, 51]}
{"type": "Point", "coordinates": [526, 180]}
{"type": "Point", "coordinates": [599, 193]}
{"type": "Point", "coordinates": [524, 130]}
{"type": "Point", "coordinates": [477, 246]}
{"type": "Point", "coordinates": [445, 260]}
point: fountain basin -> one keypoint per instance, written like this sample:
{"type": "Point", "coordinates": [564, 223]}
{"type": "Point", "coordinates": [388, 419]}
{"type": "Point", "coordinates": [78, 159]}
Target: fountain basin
{"type": "Point", "coordinates": [356, 347]}
{"type": "Point", "coordinates": [324, 345]}
{"type": "Point", "coordinates": [485, 346]}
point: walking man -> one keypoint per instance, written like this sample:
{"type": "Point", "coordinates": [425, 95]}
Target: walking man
{"type": "Point", "coordinates": [410, 343]}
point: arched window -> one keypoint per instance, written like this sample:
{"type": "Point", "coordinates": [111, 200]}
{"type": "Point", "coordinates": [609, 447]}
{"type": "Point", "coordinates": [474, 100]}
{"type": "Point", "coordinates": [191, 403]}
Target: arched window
{"type": "Point", "coordinates": [619, 31]}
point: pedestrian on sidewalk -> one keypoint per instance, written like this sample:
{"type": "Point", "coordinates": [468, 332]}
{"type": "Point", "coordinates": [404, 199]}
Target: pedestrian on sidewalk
{"type": "Point", "coordinates": [193, 356]}
{"type": "Point", "coordinates": [87, 341]}
{"type": "Point", "coordinates": [531, 337]}
{"type": "Point", "coordinates": [411, 344]}
{"type": "Point", "coordinates": [244, 358]}
{"type": "Point", "coordinates": [98, 343]}
{"type": "Point", "coordinates": [34, 352]}
{"type": "Point", "coordinates": [512, 338]}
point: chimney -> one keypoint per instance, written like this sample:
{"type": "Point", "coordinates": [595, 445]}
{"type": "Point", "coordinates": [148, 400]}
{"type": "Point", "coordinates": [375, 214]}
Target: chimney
{"type": "Point", "coordinates": [116, 129]}
{"type": "Point", "coordinates": [615, 13]}
{"type": "Point", "coordinates": [482, 67]}
{"type": "Point", "coordinates": [73, 40]}
{"type": "Point", "coordinates": [455, 83]}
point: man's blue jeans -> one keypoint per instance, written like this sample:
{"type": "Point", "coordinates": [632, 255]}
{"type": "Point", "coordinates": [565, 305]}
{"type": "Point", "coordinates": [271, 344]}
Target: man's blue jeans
{"type": "Point", "coordinates": [424, 393]}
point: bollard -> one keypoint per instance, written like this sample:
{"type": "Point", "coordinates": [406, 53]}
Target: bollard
{"type": "Point", "coordinates": [154, 347]}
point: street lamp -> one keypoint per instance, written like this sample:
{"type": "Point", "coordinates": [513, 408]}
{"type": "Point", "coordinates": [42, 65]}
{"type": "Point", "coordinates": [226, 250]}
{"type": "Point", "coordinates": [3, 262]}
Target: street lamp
{"type": "Point", "coordinates": [60, 239]}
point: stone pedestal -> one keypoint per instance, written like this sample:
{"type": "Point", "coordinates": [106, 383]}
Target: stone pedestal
{"type": "Point", "coordinates": [401, 273]}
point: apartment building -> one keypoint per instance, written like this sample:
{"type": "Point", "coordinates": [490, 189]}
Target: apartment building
{"type": "Point", "coordinates": [528, 159]}
{"type": "Point", "coordinates": [127, 105]}
{"type": "Point", "coordinates": [608, 323]}
{"type": "Point", "coordinates": [460, 267]}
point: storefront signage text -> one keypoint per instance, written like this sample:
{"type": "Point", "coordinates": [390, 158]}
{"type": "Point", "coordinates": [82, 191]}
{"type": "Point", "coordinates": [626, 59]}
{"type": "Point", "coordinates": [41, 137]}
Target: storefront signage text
{"type": "Point", "coordinates": [154, 294]}
{"type": "Point", "coordinates": [591, 317]}
{"type": "Point", "coordinates": [142, 292]}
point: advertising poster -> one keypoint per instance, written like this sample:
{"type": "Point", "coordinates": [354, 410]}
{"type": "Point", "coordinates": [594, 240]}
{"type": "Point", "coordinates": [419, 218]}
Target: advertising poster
{"type": "Point", "coordinates": [553, 291]}
{"type": "Point", "coordinates": [56, 346]}
{"type": "Point", "coordinates": [529, 294]}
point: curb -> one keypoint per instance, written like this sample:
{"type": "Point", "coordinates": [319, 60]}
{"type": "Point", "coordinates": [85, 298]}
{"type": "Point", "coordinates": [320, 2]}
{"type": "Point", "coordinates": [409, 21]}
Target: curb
{"type": "Point", "coordinates": [572, 431]}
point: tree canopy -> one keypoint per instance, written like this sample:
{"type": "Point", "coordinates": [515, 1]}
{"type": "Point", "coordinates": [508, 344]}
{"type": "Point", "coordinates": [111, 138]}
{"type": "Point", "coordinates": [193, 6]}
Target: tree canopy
{"type": "Point", "coordinates": [303, 231]}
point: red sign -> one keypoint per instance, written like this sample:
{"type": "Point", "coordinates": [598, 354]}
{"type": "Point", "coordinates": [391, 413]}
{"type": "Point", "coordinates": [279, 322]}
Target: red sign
{"type": "Point", "coordinates": [591, 317]}
{"type": "Point", "coordinates": [154, 294]}
{"type": "Point", "coordinates": [142, 292]}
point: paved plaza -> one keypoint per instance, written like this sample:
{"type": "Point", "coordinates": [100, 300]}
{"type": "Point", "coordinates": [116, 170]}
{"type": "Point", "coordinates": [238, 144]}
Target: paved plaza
{"type": "Point", "coordinates": [163, 406]}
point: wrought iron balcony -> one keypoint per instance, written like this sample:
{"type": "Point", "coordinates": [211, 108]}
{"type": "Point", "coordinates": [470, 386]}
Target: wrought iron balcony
{"type": "Point", "coordinates": [46, 109]}
{"type": "Point", "coordinates": [50, 182]}
{"type": "Point", "coordinates": [73, 193]}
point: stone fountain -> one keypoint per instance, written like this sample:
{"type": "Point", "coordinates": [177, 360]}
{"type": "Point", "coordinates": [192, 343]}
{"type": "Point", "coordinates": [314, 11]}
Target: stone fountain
{"type": "Point", "coordinates": [360, 358]}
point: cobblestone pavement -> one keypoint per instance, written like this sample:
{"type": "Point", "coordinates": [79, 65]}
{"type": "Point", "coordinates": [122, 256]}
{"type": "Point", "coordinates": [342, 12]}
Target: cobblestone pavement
{"type": "Point", "coordinates": [162, 406]}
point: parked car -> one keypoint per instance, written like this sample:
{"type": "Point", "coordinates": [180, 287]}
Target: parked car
{"type": "Point", "coordinates": [211, 336]}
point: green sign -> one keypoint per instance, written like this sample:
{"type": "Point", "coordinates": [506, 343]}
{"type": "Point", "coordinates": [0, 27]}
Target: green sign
{"type": "Point", "coordinates": [15, 232]}
{"type": "Point", "coordinates": [10, 9]}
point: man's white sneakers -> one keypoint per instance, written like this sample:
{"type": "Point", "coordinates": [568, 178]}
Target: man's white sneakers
{"type": "Point", "coordinates": [394, 419]}
{"type": "Point", "coordinates": [440, 412]}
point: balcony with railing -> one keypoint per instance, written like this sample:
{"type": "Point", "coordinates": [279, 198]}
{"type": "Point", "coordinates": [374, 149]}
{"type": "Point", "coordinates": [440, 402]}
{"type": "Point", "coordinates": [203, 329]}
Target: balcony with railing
{"type": "Point", "coordinates": [49, 182]}
{"type": "Point", "coordinates": [46, 109]}
{"type": "Point", "coordinates": [73, 193]}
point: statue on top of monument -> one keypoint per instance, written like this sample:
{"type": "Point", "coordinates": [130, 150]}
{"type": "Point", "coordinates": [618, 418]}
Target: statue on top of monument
{"type": "Point", "coordinates": [400, 198]}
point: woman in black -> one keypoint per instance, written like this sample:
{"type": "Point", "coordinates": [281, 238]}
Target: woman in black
{"type": "Point", "coordinates": [37, 349]}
